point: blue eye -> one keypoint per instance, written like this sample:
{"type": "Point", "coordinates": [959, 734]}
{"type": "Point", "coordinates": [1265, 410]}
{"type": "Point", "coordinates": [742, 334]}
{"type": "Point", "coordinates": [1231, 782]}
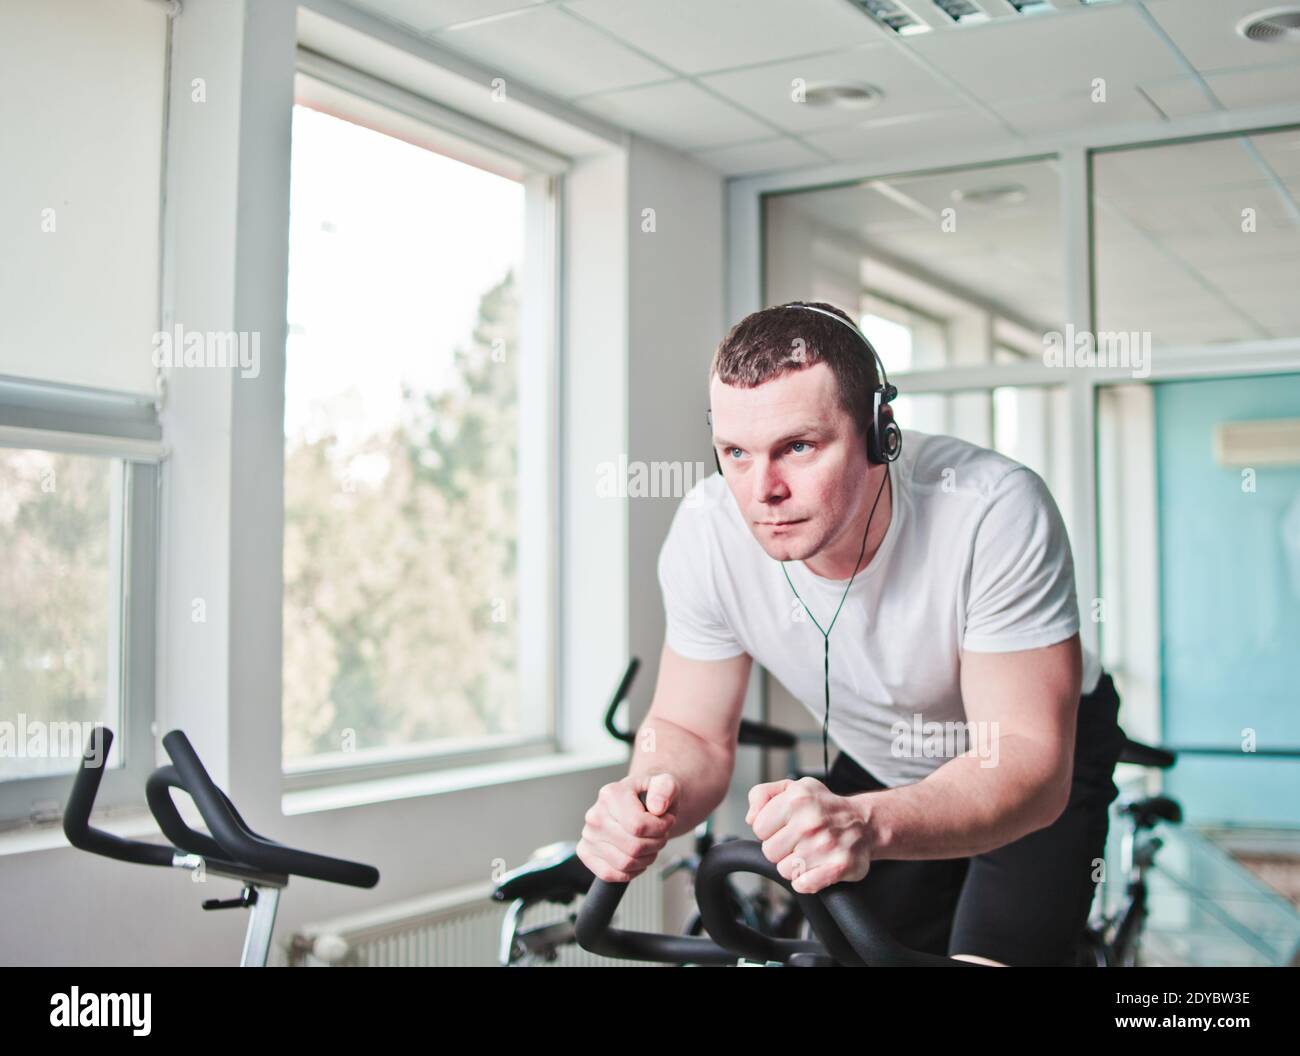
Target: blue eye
{"type": "Point", "coordinates": [798, 443]}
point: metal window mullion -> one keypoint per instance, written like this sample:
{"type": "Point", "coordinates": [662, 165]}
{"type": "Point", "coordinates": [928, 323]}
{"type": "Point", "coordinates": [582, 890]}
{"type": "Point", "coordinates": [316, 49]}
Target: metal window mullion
{"type": "Point", "coordinates": [1076, 222]}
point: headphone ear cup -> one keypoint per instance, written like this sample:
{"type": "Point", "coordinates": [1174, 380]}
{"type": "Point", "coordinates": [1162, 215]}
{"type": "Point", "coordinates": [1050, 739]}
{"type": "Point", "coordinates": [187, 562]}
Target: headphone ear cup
{"type": "Point", "coordinates": [891, 434]}
{"type": "Point", "coordinates": [885, 443]}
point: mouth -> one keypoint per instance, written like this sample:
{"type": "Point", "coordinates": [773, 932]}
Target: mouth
{"type": "Point", "coordinates": [778, 525]}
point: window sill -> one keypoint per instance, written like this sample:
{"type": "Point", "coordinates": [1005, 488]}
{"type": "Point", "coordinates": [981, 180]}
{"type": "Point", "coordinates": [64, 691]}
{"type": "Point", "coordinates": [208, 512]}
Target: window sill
{"type": "Point", "coordinates": [459, 779]}
{"type": "Point", "coordinates": [139, 824]}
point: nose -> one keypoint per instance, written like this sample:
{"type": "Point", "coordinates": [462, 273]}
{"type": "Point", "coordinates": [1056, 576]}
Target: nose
{"type": "Point", "coordinates": [770, 483]}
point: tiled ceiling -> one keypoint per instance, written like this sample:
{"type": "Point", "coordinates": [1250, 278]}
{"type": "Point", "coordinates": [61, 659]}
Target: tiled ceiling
{"type": "Point", "coordinates": [715, 78]}
{"type": "Point", "coordinates": [1173, 254]}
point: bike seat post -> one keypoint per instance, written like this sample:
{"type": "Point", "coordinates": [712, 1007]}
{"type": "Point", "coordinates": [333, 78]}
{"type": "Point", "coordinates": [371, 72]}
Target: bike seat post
{"type": "Point", "coordinates": [1127, 846]}
{"type": "Point", "coordinates": [261, 922]}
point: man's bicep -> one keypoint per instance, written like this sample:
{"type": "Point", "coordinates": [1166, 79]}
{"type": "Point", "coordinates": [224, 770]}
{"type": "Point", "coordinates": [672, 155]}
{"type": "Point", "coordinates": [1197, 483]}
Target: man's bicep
{"type": "Point", "coordinates": [704, 697]}
{"type": "Point", "coordinates": [1031, 695]}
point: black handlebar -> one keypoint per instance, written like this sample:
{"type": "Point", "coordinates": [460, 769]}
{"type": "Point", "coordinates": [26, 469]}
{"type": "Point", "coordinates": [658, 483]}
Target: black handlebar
{"type": "Point", "coordinates": [594, 934]}
{"type": "Point", "coordinates": [848, 929]}
{"type": "Point", "coordinates": [620, 694]}
{"type": "Point", "coordinates": [244, 845]}
{"type": "Point", "coordinates": [1146, 755]}
{"type": "Point", "coordinates": [232, 841]}
{"type": "Point", "coordinates": [81, 800]}
{"type": "Point", "coordinates": [755, 734]}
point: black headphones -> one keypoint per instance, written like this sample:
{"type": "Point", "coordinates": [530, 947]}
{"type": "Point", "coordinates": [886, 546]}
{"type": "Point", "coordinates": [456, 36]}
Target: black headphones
{"type": "Point", "coordinates": [884, 439]}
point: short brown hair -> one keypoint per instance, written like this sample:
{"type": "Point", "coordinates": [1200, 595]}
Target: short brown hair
{"type": "Point", "coordinates": [775, 341]}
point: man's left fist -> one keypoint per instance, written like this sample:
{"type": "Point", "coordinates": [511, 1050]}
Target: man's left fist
{"type": "Point", "coordinates": [814, 837]}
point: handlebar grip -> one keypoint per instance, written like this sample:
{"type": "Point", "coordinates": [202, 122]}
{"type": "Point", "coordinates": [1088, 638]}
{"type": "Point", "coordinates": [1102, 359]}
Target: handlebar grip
{"type": "Point", "coordinates": [839, 915]}
{"type": "Point", "coordinates": [746, 856]}
{"type": "Point", "coordinates": [238, 843]}
{"type": "Point", "coordinates": [761, 735]}
{"type": "Point", "coordinates": [594, 934]}
{"type": "Point", "coordinates": [624, 685]}
{"type": "Point", "coordinates": [81, 801]}
{"type": "Point", "coordinates": [870, 940]}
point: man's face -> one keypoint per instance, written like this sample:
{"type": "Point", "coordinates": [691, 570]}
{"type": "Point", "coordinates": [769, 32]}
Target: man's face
{"type": "Point", "coordinates": [793, 459]}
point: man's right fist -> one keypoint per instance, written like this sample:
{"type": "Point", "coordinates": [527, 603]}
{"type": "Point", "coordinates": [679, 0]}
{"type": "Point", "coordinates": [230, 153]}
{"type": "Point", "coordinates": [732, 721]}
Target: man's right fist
{"type": "Point", "coordinates": [622, 838]}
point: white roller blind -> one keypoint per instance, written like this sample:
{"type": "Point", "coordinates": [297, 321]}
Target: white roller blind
{"type": "Point", "coordinates": [82, 85]}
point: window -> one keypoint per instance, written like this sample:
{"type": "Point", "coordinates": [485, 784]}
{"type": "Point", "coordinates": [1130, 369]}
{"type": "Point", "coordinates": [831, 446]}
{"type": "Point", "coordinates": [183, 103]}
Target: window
{"type": "Point", "coordinates": [418, 549]}
{"type": "Point", "coordinates": [79, 530]}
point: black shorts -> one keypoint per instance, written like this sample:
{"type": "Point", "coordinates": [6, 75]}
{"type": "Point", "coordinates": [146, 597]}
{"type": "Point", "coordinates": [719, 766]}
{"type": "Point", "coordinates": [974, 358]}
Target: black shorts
{"type": "Point", "coordinates": [1024, 904]}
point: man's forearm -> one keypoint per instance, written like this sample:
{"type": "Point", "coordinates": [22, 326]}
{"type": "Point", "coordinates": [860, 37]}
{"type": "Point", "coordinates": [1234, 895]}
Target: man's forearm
{"type": "Point", "coordinates": [702, 769]}
{"type": "Point", "coordinates": [961, 809]}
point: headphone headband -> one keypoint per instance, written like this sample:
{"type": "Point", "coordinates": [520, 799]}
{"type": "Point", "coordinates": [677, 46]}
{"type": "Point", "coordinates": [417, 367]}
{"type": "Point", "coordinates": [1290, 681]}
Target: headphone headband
{"type": "Point", "coordinates": [887, 391]}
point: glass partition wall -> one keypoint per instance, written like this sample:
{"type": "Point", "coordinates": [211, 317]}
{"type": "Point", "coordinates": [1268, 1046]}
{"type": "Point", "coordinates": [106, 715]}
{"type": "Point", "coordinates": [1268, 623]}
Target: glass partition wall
{"type": "Point", "coordinates": [1123, 321]}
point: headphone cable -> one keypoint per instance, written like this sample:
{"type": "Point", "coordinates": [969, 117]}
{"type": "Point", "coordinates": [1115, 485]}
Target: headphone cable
{"type": "Point", "coordinates": [826, 634]}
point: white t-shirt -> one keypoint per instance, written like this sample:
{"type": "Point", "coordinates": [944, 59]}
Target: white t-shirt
{"type": "Point", "coordinates": [976, 557]}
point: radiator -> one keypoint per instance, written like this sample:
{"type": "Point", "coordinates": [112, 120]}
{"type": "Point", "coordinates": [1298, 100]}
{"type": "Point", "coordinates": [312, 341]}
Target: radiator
{"type": "Point", "coordinates": [460, 927]}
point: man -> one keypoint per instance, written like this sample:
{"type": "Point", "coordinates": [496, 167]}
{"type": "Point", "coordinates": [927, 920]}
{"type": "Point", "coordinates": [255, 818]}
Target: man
{"type": "Point", "coordinates": [925, 608]}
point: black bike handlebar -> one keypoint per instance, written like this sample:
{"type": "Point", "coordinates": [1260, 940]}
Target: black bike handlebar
{"type": "Point", "coordinates": [238, 841]}
{"type": "Point", "coordinates": [754, 734]}
{"type": "Point", "coordinates": [626, 736]}
{"type": "Point", "coordinates": [1146, 754]}
{"type": "Point", "coordinates": [848, 928]}
{"type": "Point", "coordinates": [232, 841]}
{"type": "Point", "coordinates": [594, 934]}
{"type": "Point", "coordinates": [81, 800]}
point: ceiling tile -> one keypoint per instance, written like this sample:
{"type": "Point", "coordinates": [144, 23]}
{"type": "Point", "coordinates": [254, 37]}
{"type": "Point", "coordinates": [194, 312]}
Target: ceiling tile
{"type": "Point", "coordinates": [553, 51]}
{"type": "Point", "coordinates": [916, 135]}
{"type": "Point", "coordinates": [1180, 97]}
{"type": "Point", "coordinates": [768, 89]}
{"type": "Point", "coordinates": [1205, 32]}
{"type": "Point", "coordinates": [766, 155]}
{"type": "Point", "coordinates": [1056, 55]}
{"type": "Point", "coordinates": [695, 36]}
{"type": "Point", "coordinates": [1257, 85]}
{"type": "Point", "coordinates": [1282, 152]}
{"type": "Point", "coordinates": [679, 114]}
{"type": "Point", "coordinates": [426, 15]}
{"type": "Point", "coordinates": [1043, 117]}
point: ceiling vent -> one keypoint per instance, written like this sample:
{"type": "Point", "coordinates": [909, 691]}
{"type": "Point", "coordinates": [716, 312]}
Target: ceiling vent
{"type": "Point", "coordinates": [1276, 25]}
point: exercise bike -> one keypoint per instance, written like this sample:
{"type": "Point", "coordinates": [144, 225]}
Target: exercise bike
{"type": "Point", "coordinates": [556, 875]}
{"type": "Point", "coordinates": [233, 851]}
{"type": "Point", "coordinates": [842, 928]}
{"type": "Point", "coordinates": [1111, 940]}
